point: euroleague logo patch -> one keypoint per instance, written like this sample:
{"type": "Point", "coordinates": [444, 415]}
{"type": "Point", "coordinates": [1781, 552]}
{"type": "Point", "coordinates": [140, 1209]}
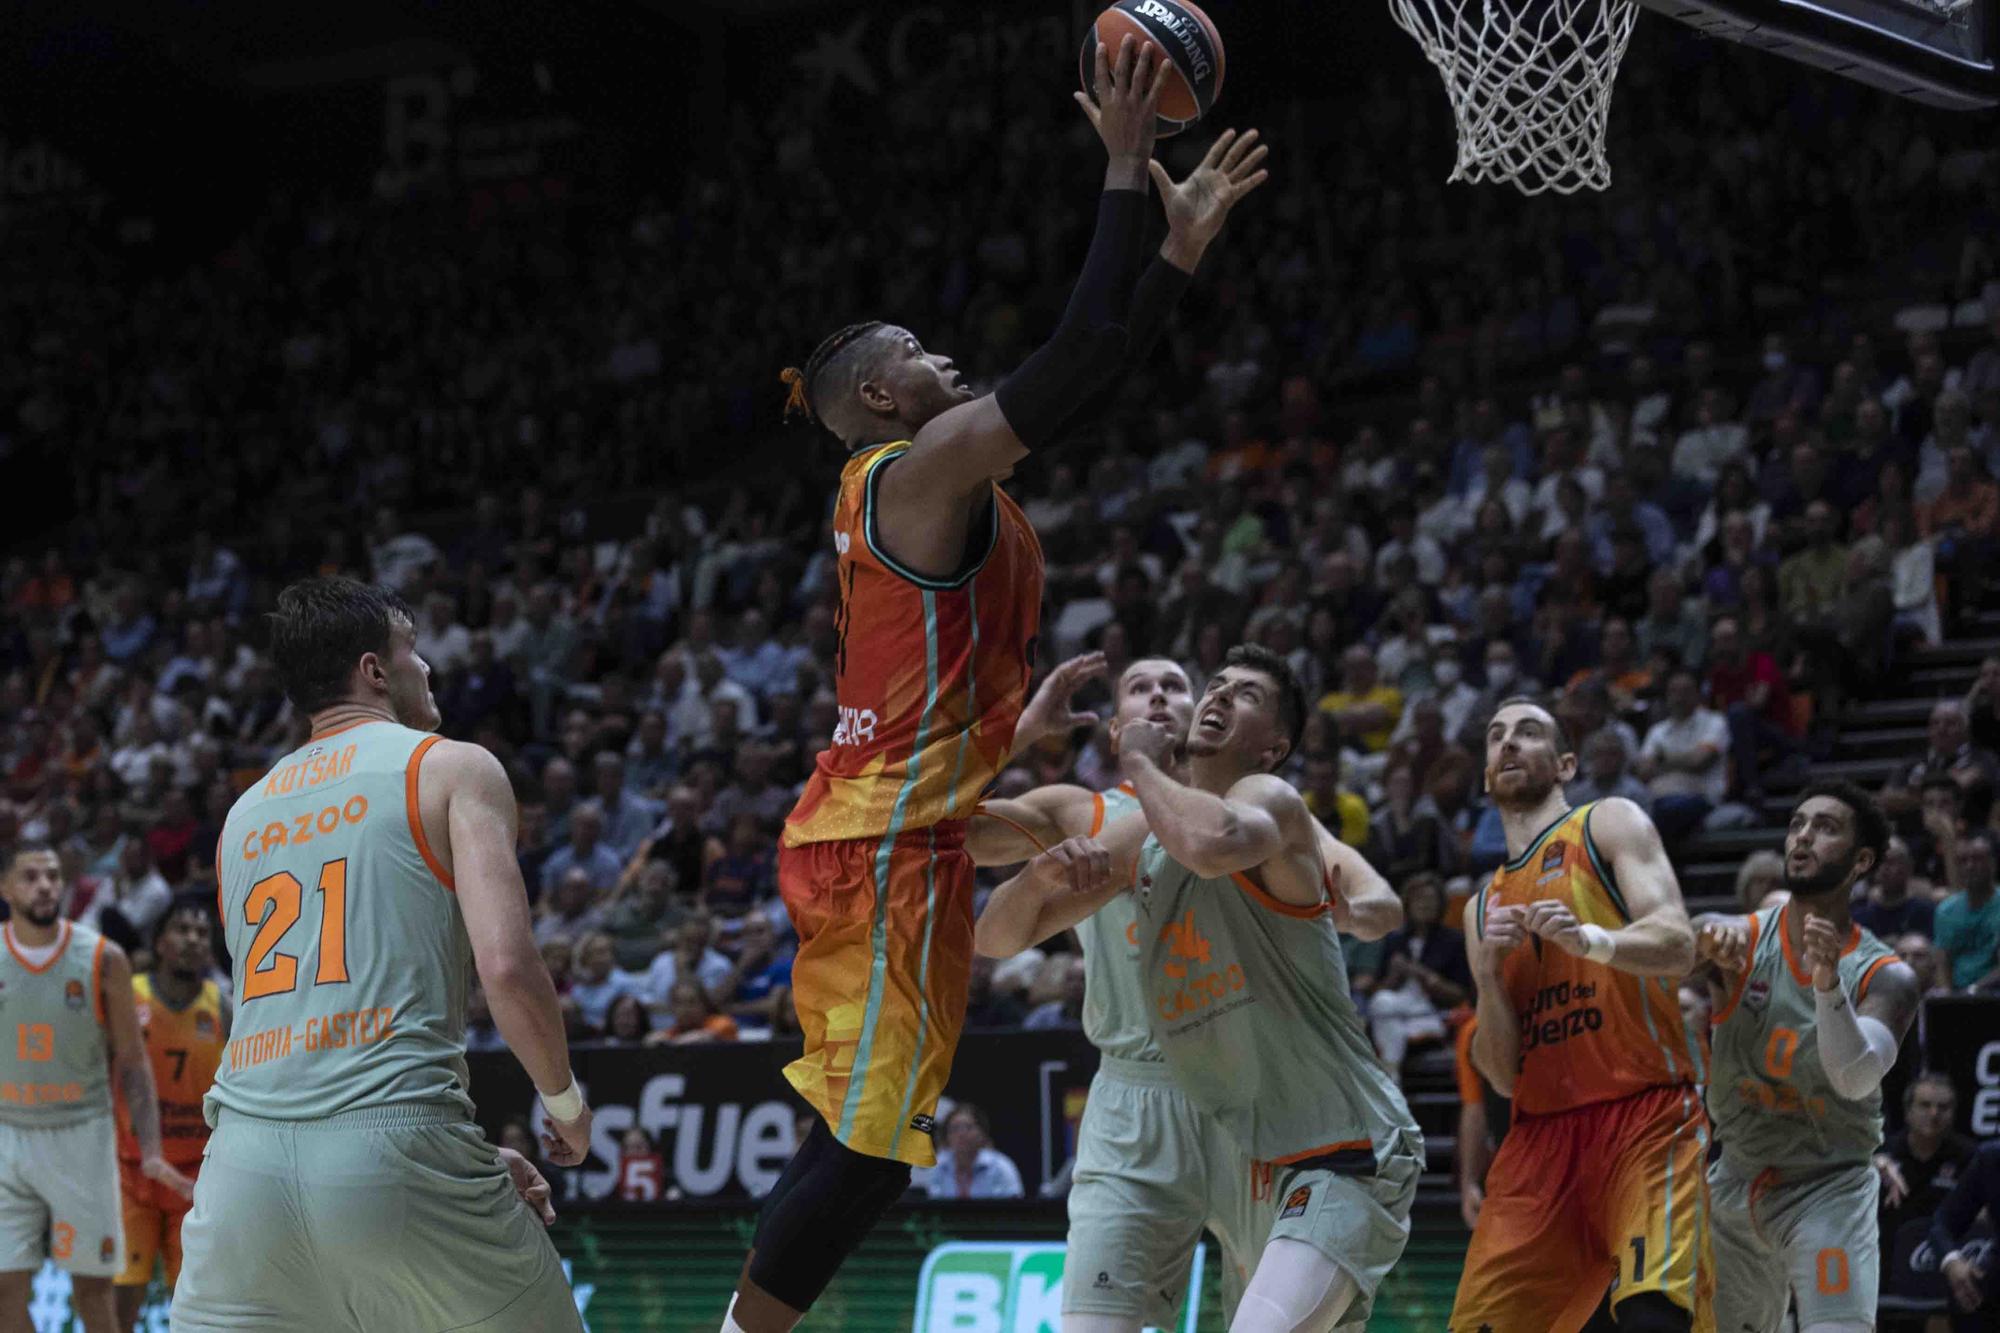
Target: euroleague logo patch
{"type": "Point", "coordinates": [1296, 1201]}
{"type": "Point", "coordinates": [1756, 994]}
{"type": "Point", "coordinates": [73, 993]}
{"type": "Point", "coordinates": [108, 1251]}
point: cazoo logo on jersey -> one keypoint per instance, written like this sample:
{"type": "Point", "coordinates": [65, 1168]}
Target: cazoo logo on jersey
{"type": "Point", "coordinates": [1194, 980]}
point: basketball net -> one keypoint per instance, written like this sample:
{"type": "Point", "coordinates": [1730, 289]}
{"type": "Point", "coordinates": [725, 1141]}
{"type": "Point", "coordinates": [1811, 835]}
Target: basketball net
{"type": "Point", "coordinates": [1530, 84]}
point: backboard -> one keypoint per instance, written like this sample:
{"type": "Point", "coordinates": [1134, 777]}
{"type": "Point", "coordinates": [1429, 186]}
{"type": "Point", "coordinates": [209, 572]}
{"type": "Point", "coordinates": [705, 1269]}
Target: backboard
{"type": "Point", "coordinates": [1945, 53]}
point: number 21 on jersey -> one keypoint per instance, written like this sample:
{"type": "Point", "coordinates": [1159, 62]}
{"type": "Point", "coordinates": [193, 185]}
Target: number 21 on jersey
{"type": "Point", "coordinates": [273, 907]}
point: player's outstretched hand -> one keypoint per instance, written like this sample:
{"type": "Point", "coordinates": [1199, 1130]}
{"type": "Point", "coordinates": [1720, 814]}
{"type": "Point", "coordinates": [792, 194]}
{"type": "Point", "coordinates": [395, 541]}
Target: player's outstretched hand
{"type": "Point", "coordinates": [1145, 738]}
{"type": "Point", "coordinates": [567, 1142]}
{"type": "Point", "coordinates": [1075, 865]}
{"type": "Point", "coordinates": [1126, 110]}
{"type": "Point", "coordinates": [1198, 206]}
{"type": "Point", "coordinates": [1554, 922]}
{"type": "Point", "coordinates": [1822, 952]}
{"type": "Point", "coordinates": [157, 1170]}
{"type": "Point", "coordinates": [1724, 943]}
{"type": "Point", "coordinates": [1053, 710]}
{"type": "Point", "coordinates": [530, 1185]}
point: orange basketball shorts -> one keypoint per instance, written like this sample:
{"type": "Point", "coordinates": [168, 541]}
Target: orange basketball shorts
{"type": "Point", "coordinates": [153, 1215]}
{"type": "Point", "coordinates": [885, 955]}
{"type": "Point", "coordinates": [1610, 1197]}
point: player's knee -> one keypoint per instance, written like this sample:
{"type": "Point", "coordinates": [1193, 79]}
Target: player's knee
{"type": "Point", "coordinates": [1651, 1312]}
{"type": "Point", "coordinates": [803, 1240]}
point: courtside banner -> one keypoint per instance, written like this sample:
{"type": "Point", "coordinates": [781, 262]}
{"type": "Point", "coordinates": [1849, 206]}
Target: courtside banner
{"type": "Point", "coordinates": [1011, 1287]}
{"type": "Point", "coordinates": [722, 1117]}
{"type": "Point", "coordinates": [1962, 1039]}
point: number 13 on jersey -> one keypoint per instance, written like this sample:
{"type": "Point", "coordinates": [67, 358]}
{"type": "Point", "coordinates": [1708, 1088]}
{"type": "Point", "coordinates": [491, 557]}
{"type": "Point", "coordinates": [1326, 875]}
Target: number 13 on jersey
{"type": "Point", "coordinates": [273, 907]}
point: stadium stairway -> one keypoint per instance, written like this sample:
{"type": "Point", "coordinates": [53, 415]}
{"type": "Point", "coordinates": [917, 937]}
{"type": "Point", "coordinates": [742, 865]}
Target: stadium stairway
{"type": "Point", "coordinates": [1874, 739]}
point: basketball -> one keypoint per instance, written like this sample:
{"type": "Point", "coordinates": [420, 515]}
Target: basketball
{"type": "Point", "coordinates": [1192, 45]}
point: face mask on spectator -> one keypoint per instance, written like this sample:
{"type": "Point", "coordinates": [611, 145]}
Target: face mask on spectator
{"type": "Point", "coordinates": [1446, 674]}
{"type": "Point", "coordinates": [1499, 675]}
{"type": "Point", "coordinates": [1774, 361]}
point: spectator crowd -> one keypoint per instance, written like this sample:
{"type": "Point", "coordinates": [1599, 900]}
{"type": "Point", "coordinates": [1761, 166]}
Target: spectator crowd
{"type": "Point", "coordinates": [1428, 489]}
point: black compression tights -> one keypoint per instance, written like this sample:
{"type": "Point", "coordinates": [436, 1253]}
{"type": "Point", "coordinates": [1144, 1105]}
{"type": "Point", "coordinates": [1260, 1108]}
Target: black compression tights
{"type": "Point", "coordinates": [826, 1202]}
{"type": "Point", "coordinates": [1648, 1312]}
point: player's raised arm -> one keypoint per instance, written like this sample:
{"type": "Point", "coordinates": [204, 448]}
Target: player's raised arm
{"type": "Point", "coordinates": [1494, 932]}
{"type": "Point", "coordinates": [1059, 888]}
{"type": "Point", "coordinates": [1261, 817]}
{"type": "Point", "coordinates": [1052, 710]}
{"type": "Point", "coordinates": [132, 1072]}
{"type": "Point", "coordinates": [480, 815]}
{"type": "Point", "coordinates": [1858, 1035]}
{"type": "Point", "coordinates": [1365, 905]}
{"type": "Point", "coordinates": [1658, 941]}
{"type": "Point", "coordinates": [1109, 326]}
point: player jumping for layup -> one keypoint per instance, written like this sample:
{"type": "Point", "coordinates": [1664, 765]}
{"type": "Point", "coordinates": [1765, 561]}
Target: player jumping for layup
{"type": "Point", "coordinates": [68, 994]}
{"type": "Point", "coordinates": [1807, 1023]}
{"type": "Point", "coordinates": [941, 588]}
{"type": "Point", "coordinates": [1151, 1169]}
{"type": "Point", "coordinates": [347, 1189]}
{"type": "Point", "coordinates": [1577, 948]}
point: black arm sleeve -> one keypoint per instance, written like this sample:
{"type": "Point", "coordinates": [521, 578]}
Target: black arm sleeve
{"type": "Point", "coordinates": [1104, 287]}
{"type": "Point", "coordinates": [1077, 371]}
{"type": "Point", "coordinates": [1159, 291]}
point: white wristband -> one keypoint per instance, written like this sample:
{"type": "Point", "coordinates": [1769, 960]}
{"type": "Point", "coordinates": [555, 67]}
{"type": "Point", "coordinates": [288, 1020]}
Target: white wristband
{"type": "Point", "coordinates": [1598, 946]}
{"type": "Point", "coordinates": [566, 1105]}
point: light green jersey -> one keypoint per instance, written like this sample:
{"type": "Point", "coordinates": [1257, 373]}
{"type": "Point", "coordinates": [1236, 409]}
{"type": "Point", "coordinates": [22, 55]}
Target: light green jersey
{"type": "Point", "coordinates": [1114, 992]}
{"type": "Point", "coordinates": [1248, 1000]}
{"type": "Point", "coordinates": [1768, 1094]}
{"type": "Point", "coordinates": [55, 1060]}
{"type": "Point", "coordinates": [350, 958]}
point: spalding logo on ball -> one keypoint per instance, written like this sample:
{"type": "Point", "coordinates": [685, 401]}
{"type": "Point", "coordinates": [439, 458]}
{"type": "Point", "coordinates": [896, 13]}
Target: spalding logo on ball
{"type": "Point", "coordinates": [1192, 44]}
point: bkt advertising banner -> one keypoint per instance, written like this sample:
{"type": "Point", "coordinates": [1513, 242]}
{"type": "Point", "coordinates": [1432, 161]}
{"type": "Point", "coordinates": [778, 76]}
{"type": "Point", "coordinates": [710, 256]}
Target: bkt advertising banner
{"type": "Point", "coordinates": [1002, 1287]}
{"type": "Point", "coordinates": [721, 1118]}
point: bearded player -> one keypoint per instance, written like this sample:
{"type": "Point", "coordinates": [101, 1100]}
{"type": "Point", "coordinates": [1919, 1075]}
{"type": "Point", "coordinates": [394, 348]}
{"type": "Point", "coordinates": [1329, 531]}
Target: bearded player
{"type": "Point", "coordinates": [1151, 1169]}
{"type": "Point", "coordinates": [940, 596]}
{"type": "Point", "coordinates": [1808, 1018]}
{"type": "Point", "coordinates": [1246, 994]}
{"type": "Point", "coordinates": [68, 998]}
{"type": "Point", "coordinates": [1596, 1209]}
{"type": "Point", "coordinates": [184, 1021]}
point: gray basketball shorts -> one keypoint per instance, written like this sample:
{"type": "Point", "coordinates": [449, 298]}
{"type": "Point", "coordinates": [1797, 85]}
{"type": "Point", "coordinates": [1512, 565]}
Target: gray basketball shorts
{"type": "Point", "coordinates": [391, 1218]}
{"type": "Point", "coordinates": [1807, 1234]}
{"type": "Point", "coordinates": [1151, 1172]}
{"type": "Point", "coordinates": [1360, 1222]}
{"type": "Point", "coordinates": [59, 1198]}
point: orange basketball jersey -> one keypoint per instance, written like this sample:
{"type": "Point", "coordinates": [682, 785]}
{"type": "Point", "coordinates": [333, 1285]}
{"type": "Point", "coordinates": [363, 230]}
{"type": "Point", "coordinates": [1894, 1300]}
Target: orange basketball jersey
{"type": "Point", "coordinates": [1589, 1033]}
{"type": "Point", "coordinates": [185, 1047]}
{"type": "Point", "coordinates": [931, 674]}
